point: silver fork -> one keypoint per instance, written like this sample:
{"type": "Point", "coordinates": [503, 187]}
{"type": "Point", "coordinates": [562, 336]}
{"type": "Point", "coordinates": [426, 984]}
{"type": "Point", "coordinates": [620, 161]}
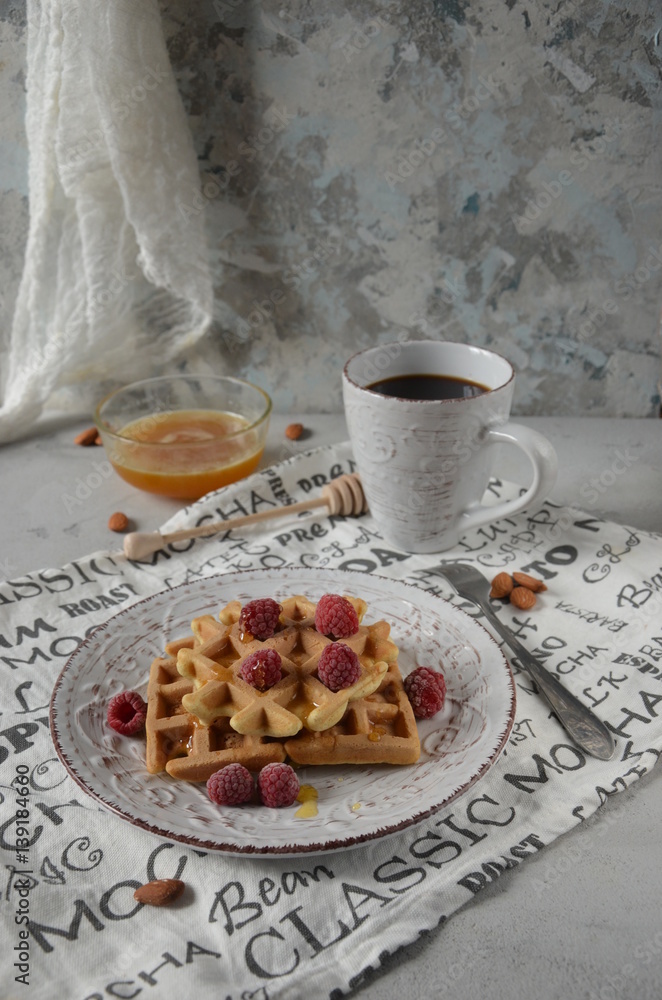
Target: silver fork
{"type": "Point", "coordinates": [584, 727]}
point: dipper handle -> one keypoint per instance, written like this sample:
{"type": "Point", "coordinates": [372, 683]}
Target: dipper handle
{"type": "Point", "coordinates": [342, 496]}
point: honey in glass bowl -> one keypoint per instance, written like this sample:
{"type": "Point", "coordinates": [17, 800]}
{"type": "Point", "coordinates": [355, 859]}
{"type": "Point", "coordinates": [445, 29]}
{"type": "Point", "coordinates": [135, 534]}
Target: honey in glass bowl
{"type": "Point", "coordinates": [183, 436]}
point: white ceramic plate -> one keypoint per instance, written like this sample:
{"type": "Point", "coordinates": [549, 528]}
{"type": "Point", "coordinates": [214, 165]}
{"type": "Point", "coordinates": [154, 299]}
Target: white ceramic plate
{"type": "Point", "coordinates": [356, 804]}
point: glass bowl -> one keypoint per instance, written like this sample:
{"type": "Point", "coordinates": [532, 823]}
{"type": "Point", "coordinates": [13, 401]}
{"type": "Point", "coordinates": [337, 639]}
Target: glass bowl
{"type": "Point", "coordinates": [184, 435]}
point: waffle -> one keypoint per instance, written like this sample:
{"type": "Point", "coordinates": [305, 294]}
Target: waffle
{"type": "Point", "coordinates": [179, 743]}
{"type": "Point", "coordinates": [377, 729]}
{"type": "Point", "coordinates": [201, 715]}
{"type": "Point", "coordinates": [299, 700]}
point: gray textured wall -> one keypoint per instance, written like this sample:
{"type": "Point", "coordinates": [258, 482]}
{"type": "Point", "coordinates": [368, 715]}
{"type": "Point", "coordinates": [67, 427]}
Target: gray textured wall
{"type": "Point", "coordinates": [485, 172]}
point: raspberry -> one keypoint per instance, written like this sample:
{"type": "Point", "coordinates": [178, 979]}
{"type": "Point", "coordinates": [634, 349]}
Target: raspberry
{"type": "Point", "coordinates": [127, 713]}
{"type": "Point", "coordinates": [426, 690]}
{"type": "Point", "coordinates": [336, 617]}
{"type": "Point", "coordinates": [230, 786]}
{"type": "Point", "coordinates": [278, 784]}
{"type": "Point", "coordinates": [260, 617]}
{"type": "Point", "coordinates": [262, 669]}
{"type": "Point", "coordinates": [339, 666]}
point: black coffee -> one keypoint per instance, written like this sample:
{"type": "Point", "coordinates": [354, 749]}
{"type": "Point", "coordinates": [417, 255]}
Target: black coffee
{"type": "Point", "coordinates": [428, 387]}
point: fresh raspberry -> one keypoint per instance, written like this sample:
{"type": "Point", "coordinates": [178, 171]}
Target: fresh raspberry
{"type": "Point", "coordinates": [260, 618]}
{"type": "Point", "coordinates": [426, 690]}
{"type": "Point", "coordinates": [127, 713]}
{"type": "Point", "coordinates": [336, 617]}
{"type": "Point", "coordinates": [339, 666]}
{"type": "Point", "coordinates": [262, 669]}
{"type": "Point", "coordinates": [278, 784]}
{"type": "Point", "coordinates": [230, 786]}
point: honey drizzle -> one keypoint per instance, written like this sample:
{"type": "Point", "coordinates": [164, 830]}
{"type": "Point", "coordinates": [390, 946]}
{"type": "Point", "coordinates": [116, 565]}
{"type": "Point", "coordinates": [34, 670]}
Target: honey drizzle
{"type": "Point", "coordinates": [308, 798]}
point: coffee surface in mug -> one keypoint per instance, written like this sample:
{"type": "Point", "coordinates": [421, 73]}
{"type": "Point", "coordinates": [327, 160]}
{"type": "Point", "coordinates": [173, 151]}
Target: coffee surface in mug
{"type": "Point", "coordinates": [427, 387]}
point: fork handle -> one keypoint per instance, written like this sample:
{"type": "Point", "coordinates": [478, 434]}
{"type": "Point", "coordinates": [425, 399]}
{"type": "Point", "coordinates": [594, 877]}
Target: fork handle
{"type": "Point", "coordinates": [584, 727]}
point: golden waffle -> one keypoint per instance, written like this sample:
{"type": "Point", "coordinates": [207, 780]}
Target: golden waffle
{"type": "Point", "coordinates": [179, 743]}
{"type": "Point", "coordinates": [377, 729]}
{"type": "Point", "coordinates": [376, 726]}
{"type": "Point", "coordinates": [167, 725]}
{"type": "Point", "coordinates": [299, 700]}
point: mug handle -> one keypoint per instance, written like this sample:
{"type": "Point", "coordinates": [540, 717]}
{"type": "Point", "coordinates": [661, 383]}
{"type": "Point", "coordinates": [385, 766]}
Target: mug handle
{"type": "Point", "coordinates": [543, 458]}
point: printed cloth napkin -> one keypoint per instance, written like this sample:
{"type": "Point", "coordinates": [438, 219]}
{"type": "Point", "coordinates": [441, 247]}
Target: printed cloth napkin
{"type": "Point", "coordinates": [274, 927]}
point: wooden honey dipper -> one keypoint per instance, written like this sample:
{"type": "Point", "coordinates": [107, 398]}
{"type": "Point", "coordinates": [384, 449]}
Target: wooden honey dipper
{"type": "Point", "coordinates": [342, 496]}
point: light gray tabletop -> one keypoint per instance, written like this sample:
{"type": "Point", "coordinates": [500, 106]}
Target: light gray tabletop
{"type": "Point", "coordinates": [580, 919]}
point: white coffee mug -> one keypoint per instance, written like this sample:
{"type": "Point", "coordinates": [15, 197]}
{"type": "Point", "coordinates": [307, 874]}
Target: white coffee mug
{"type": "Point", "coordinates": [425, 464]}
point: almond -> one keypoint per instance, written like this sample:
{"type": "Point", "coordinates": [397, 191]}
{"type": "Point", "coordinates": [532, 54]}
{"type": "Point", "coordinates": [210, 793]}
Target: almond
{"type": "Point", "coordinates": [524, 580]}
{"type": "Point", "coordinates": [86, 438]}
{"type": "Point", "coordinates": [522, 598]}
{"type": "Point", "coordinates": [294, 431]}
{"type": "Point", "coordinates": [160, 892]}
{"type": "Point", "coordinates": [118, 521]}
{"type": "Point", "coordinates": [502, 584]}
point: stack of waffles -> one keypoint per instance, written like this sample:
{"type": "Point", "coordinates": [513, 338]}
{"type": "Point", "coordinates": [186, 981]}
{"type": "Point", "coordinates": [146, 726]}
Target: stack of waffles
{"type": "Point", "coordinates": [202, 715]}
